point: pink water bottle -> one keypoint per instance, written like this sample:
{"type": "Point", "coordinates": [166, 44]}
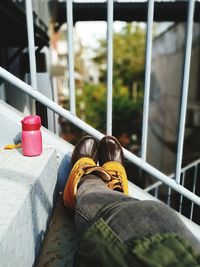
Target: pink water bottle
{"type": "Point", "coordinates": [31, 136]}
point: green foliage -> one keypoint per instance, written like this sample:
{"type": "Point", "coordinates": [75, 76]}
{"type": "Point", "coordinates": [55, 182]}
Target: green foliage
{"type": "Point", "coordinates": [94, 99]}
{"type": "Point", "coordinates": [126, 112]}
{"type": "Point", "coordinates": [126, 116]}
{"type": "Point", "coordinates": [128, 56]}
{"type": "Point", "coordinates": [128, 71]}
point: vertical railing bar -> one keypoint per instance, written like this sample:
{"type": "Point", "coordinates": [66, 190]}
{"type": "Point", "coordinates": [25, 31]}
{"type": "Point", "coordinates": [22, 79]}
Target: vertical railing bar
{"type": "Point", "coordinates": [69, 11]}
{"type": "Point", "coordinates": [93, 132]}
{"type": "Point", "coordinates": [31, 43]}
{"type": "Point", "coordinates": [156, 192]}
{"type": "Point", "coordinates": [193, 190]}
{"type": "Point", "coordinates": [189, 166]}
{"type": "Point", "coordinates": [185, 85]}
{"type": "Point", "coordinates": [181, 199]}
{"type": "Point", "coordinates": [109, 65]}
{"type": "Point", "coordinates": [149, 39]}
{"type": "Point", "coordinates": [169, 196]}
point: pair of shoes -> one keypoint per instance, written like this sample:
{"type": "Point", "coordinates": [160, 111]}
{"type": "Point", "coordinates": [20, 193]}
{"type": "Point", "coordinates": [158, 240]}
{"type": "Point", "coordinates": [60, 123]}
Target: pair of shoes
{"type": "Point", "coordinates": [84, 160]}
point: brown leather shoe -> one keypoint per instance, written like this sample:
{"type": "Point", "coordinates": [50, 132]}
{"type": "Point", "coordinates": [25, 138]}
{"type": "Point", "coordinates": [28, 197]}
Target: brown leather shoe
{"type": "Point", "coordinates": [111, 158]}
{"type": "Point", "coordinates": [110, 150]}
{"type": "Point", "coordinates": [84, 159]}
{"type": "Point", "coordinates": [86, 147]}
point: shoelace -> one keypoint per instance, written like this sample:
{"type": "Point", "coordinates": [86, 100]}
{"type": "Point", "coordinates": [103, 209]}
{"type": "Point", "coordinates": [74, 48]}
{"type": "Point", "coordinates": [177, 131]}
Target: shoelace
{"type": "Point", "coordinates": [116, 182]}
{"type": "Point", "coordinates": [87, 168]}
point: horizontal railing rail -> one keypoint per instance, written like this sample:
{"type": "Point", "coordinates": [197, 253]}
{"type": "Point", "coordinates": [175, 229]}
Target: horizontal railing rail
{"type": "Point", "coordinates": [175, 181]}
{"type": "Point", "coordinates": [191, 172]}
{"type": "Point", "coordinates": [157, 184]}
{"type": "Point", "coordinates": [90, 130]}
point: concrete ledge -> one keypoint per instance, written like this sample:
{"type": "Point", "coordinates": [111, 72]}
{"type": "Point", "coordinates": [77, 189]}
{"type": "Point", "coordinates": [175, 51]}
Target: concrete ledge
{"type": "Point", "coordinates": [10, 120]}
{"type": "Point", "coordinates": [26, 190]}
{"type": "Point", "coordinates": [27, 200]}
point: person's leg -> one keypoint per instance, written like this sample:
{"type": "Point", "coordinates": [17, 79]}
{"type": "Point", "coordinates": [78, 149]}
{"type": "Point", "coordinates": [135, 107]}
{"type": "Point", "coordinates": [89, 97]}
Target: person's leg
{"type": "Point", "coordinates": [126, 216]}
{"type": "Point", "coordinates": [94, 199]}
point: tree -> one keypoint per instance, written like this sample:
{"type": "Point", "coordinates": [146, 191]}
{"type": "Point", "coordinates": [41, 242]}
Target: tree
{"type": "Point", "coordinates": [126, 112]}
{"type": "Point", "coordinates": [128, 57]}
{"type": "Point", "coordinates": [128, 70]}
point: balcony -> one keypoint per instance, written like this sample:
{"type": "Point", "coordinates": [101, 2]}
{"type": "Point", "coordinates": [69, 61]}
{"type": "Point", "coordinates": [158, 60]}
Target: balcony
{"type": "Point", "coordinates": [169, 126]}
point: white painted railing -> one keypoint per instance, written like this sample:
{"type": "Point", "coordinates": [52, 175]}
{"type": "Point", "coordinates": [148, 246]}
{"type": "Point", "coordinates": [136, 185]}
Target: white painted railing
{"type": "Point", "coordinates": [188, 175]}
{"type": "Point", "coordinates": [176, 183]}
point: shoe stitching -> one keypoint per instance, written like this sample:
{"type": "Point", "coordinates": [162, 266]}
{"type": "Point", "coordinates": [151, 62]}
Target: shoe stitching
{"type": "Point", "coordinates": [117, 179]}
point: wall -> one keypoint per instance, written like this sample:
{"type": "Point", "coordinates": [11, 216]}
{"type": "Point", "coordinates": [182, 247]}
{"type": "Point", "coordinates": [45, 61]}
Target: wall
{"type": "Point", "coordinates": [167, 66]}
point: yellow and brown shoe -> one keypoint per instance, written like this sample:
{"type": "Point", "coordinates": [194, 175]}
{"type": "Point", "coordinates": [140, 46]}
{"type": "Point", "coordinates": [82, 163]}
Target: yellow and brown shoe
{"type": "Point", "coordinates": [111, 158]}
{"type": "Point", "coordinates": [84, 159]}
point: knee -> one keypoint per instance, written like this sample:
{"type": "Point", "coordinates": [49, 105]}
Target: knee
{"type": "Point", "coordinates": [156, 206]}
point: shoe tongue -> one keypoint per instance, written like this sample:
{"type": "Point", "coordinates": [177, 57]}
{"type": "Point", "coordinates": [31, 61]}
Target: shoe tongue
{"type": "Point", "coordinates": [103, 175]}
{"type": "Point", "coordinates": [100, 172]}
{"type": "Point", "coordinates": [116, 187]}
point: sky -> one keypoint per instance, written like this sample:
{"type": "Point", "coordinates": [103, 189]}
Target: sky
{"type": "Point", "coordinates": [89, 32]}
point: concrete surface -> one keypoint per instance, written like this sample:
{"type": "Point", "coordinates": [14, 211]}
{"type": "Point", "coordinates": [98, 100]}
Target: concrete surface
{"type": "Point", "coordinates": [10, 121]}
{"type": "Point", "coordinates": [27, 188]}
{"type": "Point", "coordinates": [61, 240]}
{"type": "Point", "coordinates": [60, 243]}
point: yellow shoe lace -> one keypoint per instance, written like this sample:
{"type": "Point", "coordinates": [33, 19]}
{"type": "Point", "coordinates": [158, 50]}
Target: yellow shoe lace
{"type": "Point", "coordinates": [116, 182]}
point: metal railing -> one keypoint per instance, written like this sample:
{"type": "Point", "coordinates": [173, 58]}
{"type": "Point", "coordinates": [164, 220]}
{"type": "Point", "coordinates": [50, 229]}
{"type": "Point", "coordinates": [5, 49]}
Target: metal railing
{"type": "Point", "coordinates": [149, 39]}
{"type": "Point", "coordinates": [176, 184]}
{"type": "Point", "coordinates": [31, 43]}
{"type": "Point", "coordinates": [189, 177]}
{"type": "Point", "coordinates": [185, 86]}
{"type": "Point", "coordinates": [69, 10]}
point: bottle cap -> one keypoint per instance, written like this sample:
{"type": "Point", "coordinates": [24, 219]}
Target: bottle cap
{"type": "Point", "coordinates": [31, 123]}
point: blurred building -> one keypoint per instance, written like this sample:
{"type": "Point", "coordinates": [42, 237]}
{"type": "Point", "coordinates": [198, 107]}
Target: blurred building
{"type": "Point", "coordinates": [14, 55]}
{"type": "Point", "coordinates": [85, 69]}
{"type": "Point", "coordinates": [167, 71]}
{"type": "Point", "coordinates": [59, 64]}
